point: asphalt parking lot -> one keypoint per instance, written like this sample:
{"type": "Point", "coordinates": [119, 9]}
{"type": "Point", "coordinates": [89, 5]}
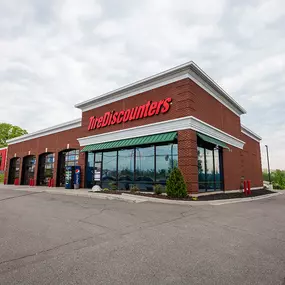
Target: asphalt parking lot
{"type": "Point", "coordinates": [57, 239]}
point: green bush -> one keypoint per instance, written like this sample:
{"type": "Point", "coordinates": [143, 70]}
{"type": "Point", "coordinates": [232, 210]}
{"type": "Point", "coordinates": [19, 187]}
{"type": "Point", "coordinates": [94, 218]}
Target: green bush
{"type": "Point", "coordinates": [134, 189]}
{"type": "Point", "coordinates": [158, 189]}
{"type": "Point", "coordinates": [175, 185]}
{"type": "Point", "coordinates": [276, 186]}
{"type": "Point", "coordinates": [1, 177]}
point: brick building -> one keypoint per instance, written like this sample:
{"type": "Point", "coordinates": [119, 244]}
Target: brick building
{"type": "Point", "coordinates": [3, 154]}
{"type": "Point", "coordinates": [138, 133]}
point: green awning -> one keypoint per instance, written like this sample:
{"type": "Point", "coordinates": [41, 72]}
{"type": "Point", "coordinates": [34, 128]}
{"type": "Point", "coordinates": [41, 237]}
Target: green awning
{"type": "Point", "coordinates": [212, 141]}
{"type": "Point", "coordinates": [153, 139]}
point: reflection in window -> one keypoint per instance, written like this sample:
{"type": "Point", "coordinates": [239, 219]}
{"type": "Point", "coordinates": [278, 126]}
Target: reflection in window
{"type": "Point", "coordinates": [46, 168]}
{"type": "Point", "coordinates": [201, 168]}
{"type": "Point", "coordinates": [166, 159]}
{"type": "Point", "coordinates": [109, 172]}
{"type": "Point", "coordinates": [90, 170]}
{"type": "Point", "coordinates": [145, 168]}
{"type": "Point", "coordinates": [66, 158]}
{"type": "Point", "coordinates": [210, 172]}
{"type": "Point", "coordinates": [209, 167]}
{"type": "Point", "coordinates": [125, 168]}
{"type": "Point", "coordinates": [49, 166]}
{"type": "Point", "coordinates": [14, 170]}
{"type": "Point", "coordinates": [71, 157]}
{"type": "Point", "coordinates": [218, 177]}
{"type": "Point", "coordinates": [28, 170]}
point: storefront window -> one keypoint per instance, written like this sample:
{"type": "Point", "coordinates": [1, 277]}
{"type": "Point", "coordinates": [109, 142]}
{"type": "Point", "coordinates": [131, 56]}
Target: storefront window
{"type": "Point", "coordinates": [201, 168]}
{"type": "Point", "coordinates": [109, 170]}
{"type": "Point", "coordinates": [145, 168]}
{"type": "Point", "coordinates": [166, 159]}
{"type": "Point", "coordinates": [142, 166]}
{"type": "Point", "coordinates": [218, 177]}
{"type": "Point", "coordinates": [210, 173]}
{"type": "Point", "coordinates": [209, 167]}
{"type": "Point", "coordinates": [125, 168]}
{"type": "Point", "coordinates": [90, 170]}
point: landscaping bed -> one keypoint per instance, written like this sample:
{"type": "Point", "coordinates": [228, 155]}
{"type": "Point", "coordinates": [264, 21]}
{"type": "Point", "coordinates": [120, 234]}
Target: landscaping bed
{"type": "Point", "coordinates": [222, 196]}
{"type": "Point", "coordinates": [218, 196]}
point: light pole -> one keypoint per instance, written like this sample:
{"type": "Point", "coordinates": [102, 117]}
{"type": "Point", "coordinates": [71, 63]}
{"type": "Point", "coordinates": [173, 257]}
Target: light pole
{"type": "Point", "coordinates": [268, 163]}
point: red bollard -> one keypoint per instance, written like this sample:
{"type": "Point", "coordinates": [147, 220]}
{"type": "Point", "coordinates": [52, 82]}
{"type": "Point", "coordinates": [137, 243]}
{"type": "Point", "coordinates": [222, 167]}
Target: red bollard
{"type": "Point", "coordinates": [248, 187]}
{"type": "Point", "coordinates": [244, 188]}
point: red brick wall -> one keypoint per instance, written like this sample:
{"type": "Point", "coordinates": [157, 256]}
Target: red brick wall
{"type": "Point", "coordinates": [54, 143]}
{"type": "Point", "coordinates": [188, 100]}
{"type": "Point", "coordinates": [251, 161]}
{"type": "Point", "coordinates": [188, 158]}
{"type": "Point", "coordinates": [3, 161]}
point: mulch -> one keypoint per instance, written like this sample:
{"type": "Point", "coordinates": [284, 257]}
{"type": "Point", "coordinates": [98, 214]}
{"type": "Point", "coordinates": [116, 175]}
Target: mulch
{"type": "Point", "coordinates": [218, 196]}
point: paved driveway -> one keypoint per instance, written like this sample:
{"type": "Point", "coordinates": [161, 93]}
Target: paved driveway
{"type": "Point", "coordinates": [54, 239]}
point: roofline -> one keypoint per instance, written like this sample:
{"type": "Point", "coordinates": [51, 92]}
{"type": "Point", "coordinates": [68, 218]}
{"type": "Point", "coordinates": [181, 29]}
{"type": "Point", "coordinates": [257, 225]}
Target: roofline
{"type": "Point", "coordinates": [2, 148]}
{"type": "Point", "coordinates": [48, 131]}
{"type": "Point", "coordinates": [250, 133]}
{"type": "Point", "coordinates": [187, 70]}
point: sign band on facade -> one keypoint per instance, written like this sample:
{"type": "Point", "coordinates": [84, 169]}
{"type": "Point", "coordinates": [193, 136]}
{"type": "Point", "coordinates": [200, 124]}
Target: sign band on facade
{"type": "Point", "coordinates": [147, 110]}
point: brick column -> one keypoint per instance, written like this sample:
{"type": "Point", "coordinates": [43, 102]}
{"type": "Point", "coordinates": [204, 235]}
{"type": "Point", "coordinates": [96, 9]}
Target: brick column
{"type": "Point", "coordinates": [188, 158]}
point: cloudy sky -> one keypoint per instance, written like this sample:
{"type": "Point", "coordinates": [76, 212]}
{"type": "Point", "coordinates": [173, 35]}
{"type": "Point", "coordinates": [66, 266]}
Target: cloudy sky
{"type": "Point", "coordinates": [56, 53]}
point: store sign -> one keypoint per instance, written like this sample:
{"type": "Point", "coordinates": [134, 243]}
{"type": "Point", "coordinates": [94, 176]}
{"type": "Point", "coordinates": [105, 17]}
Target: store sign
{"type": "Point", "coordinates": [147, 110]}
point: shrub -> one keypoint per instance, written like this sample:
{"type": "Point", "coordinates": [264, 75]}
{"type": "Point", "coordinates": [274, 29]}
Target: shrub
{"type": "Point", "coordinates": [175, 185]}
{"type": "Point", "coordinates": [276, 186]}
{"type": "Point", "coordinates": [1, 177]}
{"type": "Point", "coordinates": [158, 189]}
{"type": "Point", "coordinates": [113, 186]}
{"type": "Point", "coordinates": [134, 188]}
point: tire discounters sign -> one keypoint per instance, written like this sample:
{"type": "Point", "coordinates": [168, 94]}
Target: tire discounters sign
{"type": "Point", "coordinates": [147, 110]}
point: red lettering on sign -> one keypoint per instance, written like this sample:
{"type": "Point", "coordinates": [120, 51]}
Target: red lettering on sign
{"type": "Point", "coordinates": [147, 110]}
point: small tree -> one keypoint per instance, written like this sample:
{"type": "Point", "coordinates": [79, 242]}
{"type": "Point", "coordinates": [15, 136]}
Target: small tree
{"type": "Point", "coordinates": [175, 185]}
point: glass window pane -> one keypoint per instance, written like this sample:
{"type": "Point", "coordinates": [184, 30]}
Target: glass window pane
{"type": "Point", "coordinates": [109, 173]}
{"type": "Point", "coordinates": [98, 156]}
{"type": "Point", "coordinates": [125, 168]}
{"type": "Point", "coordinates": [166, 159]}
{"type": "Point", "coordinates": [145, 168]}
{"type": "Point", "coordinates": [90, 170]}
{"type": "Point", "coordinates": [201, 169]}
{"type": "Point", "coordinates": [210, 174]}
{"type": "Point", "coordinates": [217, 170]}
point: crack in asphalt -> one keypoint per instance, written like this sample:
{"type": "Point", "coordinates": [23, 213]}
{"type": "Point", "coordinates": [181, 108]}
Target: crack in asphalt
{"type": "Point", "coordinates": [46, 250]}
{"type": "Point", "coordinates": [14, 197]}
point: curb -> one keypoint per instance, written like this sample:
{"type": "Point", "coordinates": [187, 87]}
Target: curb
{"type": "Point", "coordinates": [141, 199]}
{"type": "Point", "coordinates": [202, 203]}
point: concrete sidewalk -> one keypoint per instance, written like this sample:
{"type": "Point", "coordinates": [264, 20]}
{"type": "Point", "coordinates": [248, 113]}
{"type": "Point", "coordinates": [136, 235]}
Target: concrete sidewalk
{"type": "Point", "coordinates": [132, 198]}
